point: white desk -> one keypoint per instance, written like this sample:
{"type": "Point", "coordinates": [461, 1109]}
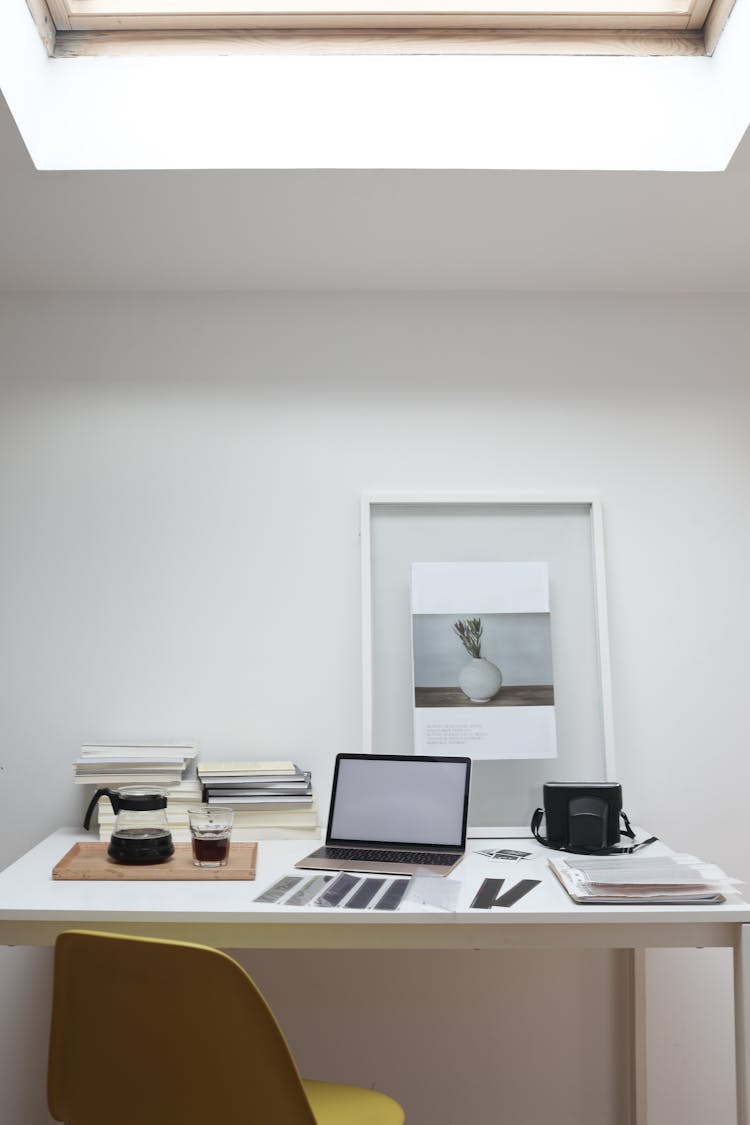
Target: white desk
{"type": "Point", "coordinates": [34, 909]}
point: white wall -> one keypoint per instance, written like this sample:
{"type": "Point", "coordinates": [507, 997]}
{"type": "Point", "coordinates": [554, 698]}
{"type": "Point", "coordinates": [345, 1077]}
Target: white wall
{"type": "Point", "coordinates": [179, 485]}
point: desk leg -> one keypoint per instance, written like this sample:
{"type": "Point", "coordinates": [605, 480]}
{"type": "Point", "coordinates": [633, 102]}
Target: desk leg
{"type": "Point", "coordinates": [639, 1054]}
{"type": "Point", "coordinates": [742, 1021]}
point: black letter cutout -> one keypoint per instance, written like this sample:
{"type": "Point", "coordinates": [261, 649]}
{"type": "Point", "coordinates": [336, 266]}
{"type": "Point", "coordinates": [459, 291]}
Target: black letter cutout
{"type": "Point", "coordinates": [487, 895]}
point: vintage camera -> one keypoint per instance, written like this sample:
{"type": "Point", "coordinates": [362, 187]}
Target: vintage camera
{"type": "Point", "coordinates": [582, 818]}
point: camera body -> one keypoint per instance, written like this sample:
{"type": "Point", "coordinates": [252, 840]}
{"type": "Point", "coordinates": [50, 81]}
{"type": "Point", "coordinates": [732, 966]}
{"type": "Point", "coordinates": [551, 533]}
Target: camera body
{"type": "Point", "coordinates": [582, 818]}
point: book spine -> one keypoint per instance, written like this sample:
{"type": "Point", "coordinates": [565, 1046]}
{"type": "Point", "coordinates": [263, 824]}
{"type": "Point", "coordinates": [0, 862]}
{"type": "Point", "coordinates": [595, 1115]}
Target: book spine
{"type": "Point", "coordinates": [242, 835]}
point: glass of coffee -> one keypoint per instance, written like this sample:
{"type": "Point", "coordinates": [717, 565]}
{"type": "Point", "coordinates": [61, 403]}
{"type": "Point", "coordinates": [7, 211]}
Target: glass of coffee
{"type": "Point", "coordinates": [210, 830]}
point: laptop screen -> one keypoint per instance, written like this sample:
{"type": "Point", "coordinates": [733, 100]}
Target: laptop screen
{"type": "Point", "coordinates": [384, 799]}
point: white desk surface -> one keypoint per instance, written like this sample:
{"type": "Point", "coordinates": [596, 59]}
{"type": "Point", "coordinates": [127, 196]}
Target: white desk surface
{"type": "Point", "coordinates": [34, 907]}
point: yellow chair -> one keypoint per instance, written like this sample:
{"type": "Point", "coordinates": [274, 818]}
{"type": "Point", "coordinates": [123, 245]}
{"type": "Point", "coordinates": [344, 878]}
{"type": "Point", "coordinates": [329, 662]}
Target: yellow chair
{"type": "Point", "coordinates": [149, 1032]}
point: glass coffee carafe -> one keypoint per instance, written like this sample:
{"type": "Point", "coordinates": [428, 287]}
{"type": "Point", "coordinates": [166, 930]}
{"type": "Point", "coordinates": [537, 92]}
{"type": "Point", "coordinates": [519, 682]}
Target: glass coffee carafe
{"type": "Point", "coordinates": [141, 833]}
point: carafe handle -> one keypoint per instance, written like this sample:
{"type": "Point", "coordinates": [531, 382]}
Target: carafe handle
{"type": "Point", "coordinates": [114, 798]}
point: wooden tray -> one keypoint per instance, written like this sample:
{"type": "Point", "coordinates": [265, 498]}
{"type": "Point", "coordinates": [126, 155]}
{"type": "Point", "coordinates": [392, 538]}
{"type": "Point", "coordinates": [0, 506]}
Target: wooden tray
{"type": "Point", "coordinates": [90, 861]}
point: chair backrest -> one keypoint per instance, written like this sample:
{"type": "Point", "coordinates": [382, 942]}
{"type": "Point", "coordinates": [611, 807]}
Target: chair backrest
{"type": "Point", "coordinates": [149, 1032]}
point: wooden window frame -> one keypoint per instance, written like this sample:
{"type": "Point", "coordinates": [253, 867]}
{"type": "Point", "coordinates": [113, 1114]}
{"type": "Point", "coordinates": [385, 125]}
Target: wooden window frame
{"type": "Point", "coordinates": [324, 34]}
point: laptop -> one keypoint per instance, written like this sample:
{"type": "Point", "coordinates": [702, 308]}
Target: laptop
{"type": "Point", "coordinates": [395, 813]}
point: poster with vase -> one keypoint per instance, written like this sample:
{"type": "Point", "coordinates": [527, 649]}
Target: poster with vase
{"type": "Point", "coordinates": [482, 660]}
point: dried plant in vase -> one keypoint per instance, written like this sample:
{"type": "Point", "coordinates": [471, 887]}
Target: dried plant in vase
{"type": "Point", "coordinates": [480, 679]}
{"type": "Point", "coordinates": [470, 634]}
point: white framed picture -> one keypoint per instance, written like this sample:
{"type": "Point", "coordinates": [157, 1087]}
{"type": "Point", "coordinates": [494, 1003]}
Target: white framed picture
{"type": "Point", "coordinates": [557, 535]}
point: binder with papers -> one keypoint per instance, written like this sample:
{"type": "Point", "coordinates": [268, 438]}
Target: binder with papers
{"type": "Point", "coordinates": [641, 880]}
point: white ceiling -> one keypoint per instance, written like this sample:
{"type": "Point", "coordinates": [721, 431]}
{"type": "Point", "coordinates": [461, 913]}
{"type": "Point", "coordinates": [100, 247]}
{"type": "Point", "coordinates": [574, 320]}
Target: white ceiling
{"type": "Point", "coordinates": [530, 231]}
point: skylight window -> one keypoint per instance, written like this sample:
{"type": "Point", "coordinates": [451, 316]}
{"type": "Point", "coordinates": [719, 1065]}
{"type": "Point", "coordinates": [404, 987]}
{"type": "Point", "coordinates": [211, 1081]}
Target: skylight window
{"type": "Point", "coordinates": [505, 26]}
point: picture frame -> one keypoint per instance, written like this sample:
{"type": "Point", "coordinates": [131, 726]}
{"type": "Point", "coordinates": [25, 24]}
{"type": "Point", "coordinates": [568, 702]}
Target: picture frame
{"type": "Point", "coordinates": [563, 529]}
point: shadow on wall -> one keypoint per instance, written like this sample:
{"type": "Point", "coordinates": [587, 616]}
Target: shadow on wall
{"type": "Point", "coordinates": [356, 345]}
{"type": "Point", "coordinates": [484, 1066]}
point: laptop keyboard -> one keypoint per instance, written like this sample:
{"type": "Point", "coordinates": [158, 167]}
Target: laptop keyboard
{"type": "Point", "coordinates": [371, 855]}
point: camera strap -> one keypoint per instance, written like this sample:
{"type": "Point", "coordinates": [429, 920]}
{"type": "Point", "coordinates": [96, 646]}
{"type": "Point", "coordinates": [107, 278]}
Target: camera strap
{"type": "Point", "coordinates": [536, 820]}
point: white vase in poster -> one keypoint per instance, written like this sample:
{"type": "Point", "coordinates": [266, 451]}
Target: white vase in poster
{"type": "Point", "coordinates": [480, 680]}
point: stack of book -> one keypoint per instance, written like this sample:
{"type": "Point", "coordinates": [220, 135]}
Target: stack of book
{"type": "Point", "coordinates": [271, 800]}
{"type": "Point", "coordinates": [170, 767]}
{"type": "Point", "coordinates": [145, 763]}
